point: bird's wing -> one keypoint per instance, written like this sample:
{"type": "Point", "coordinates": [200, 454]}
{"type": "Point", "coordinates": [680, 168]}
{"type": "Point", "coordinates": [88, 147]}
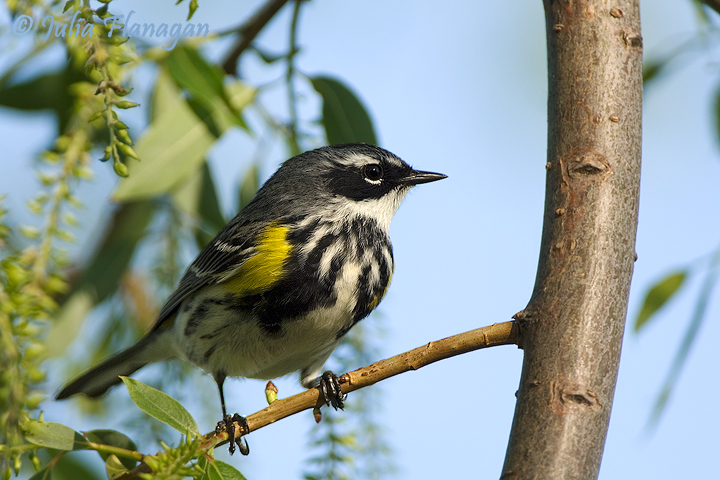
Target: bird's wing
{"type": "Point", "coordinates": [248, 257]}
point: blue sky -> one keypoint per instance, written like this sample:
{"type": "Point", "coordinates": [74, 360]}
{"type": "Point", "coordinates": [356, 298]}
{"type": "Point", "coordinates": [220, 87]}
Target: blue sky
{"type": "Point", "coordinates": [462, 90]}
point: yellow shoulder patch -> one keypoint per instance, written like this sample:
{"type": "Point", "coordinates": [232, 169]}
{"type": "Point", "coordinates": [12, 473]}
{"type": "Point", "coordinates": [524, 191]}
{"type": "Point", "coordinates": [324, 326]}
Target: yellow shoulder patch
{"type": "Point", "coordinates": [261, 271]}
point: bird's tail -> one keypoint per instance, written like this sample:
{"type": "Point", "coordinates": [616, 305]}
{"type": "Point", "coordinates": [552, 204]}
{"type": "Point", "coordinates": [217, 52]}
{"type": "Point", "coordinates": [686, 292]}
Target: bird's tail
{"type": "Point", "coordinates": [99, 379]}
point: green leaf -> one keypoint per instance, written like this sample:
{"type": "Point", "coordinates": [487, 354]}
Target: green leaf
{"type": "Point", "coordinates": [217, 470]}
{"type": "Point", "coordinates": [204, 82]}
{"type": "Point", "coordinates": [114, 467]}
{"type": "Point", "coordinates": [66, 467]}
{"type": "Point", "coordinates": [165, 94]}
{"type": "Point", "coordinates": [689, 339]}
{"type": "Point", "coordinates": [190, 70]}
{"type": "Point", "coordinates": [44, 92]}
{"type": "Point", "coordinates": [215, 123]}
{"type": "Point", "coordinates": [228, 472]}
{"type": "Point", "coordinates": [115, 439]}
{"type": "Point", "coordinates": [161, 406]}
{"type": "Point", "coordinates": [652, 68]}
{"type": "Point", "coordinates": [209, 203]}
{"type": "Point", "coordinates": [173, 147]}
{"type": "Point", "coordinates": [658, 296]}
{"type": "Point", "coordinates": [248, 187]}
{"type": "Point", "coordinates": [70, 467]}
{"type": "Point", "coordinates": [52, 435]}
{"type": "Point", "coordinates": [198, 197]}
{"type": "Point", "coordinates": [194, 74]}
{"type": "Point", "coordinates": [344, 117]}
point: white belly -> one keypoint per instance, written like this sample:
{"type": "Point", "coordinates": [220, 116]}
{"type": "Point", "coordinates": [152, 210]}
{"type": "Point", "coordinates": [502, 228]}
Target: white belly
{"type": "Point", "coordinates": [232, 341]}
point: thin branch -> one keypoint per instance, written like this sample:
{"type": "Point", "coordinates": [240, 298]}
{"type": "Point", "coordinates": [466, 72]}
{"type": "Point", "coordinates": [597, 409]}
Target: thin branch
{"type": "Point", "coordinates": [248, 31]}
{"type": "Point", "coordinates": [505, 333]}
{"type": "Point", "coordinates": [497, 334]}
{"type": "Point", "coordinates": [113, 450]}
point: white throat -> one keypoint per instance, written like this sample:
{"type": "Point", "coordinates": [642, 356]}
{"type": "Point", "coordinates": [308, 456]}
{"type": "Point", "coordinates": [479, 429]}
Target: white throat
{"type": "Point", "coordinates": [381, 209]}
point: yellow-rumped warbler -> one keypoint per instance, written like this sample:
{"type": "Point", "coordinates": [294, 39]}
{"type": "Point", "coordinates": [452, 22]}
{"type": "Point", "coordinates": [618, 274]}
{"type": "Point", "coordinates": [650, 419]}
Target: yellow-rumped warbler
{"type": "Point", "coordinates": [285, 280]}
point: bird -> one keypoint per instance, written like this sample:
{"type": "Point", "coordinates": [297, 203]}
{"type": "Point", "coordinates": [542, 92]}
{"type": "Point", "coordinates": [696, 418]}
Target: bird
{"type": "Point", "coordinates": [282, 283]}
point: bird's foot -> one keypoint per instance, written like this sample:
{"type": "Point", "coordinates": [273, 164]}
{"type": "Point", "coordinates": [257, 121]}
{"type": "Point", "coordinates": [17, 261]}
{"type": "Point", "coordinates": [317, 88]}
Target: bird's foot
{"type": "Point", "coordinates": [330, 390]}
{"type": "Point", "coordinates": [227, 424]}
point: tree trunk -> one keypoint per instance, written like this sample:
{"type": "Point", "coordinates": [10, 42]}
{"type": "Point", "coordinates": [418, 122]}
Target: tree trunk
{"type": "Point", "coordinates": [572, 328]}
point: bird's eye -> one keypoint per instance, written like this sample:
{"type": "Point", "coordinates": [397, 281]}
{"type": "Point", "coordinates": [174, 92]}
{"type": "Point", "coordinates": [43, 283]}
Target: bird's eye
{"type": "Point", "coordinates": [373, 172]}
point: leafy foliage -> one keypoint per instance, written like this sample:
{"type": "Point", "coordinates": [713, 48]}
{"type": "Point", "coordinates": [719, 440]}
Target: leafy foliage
{"type": "Point", "coordinates": [669, 287]}
{"type": "Point", "coordinates": [658, 296]}
{"type": "Point", "coordinates": [167, 207]}
{"type": "Point", "coordinates": [344, 117]}
{"type": "Point", "coordinates": [161, 406]}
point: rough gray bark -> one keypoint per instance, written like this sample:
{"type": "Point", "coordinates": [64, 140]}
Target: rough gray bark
{"type": "Point", "coordinates": [572, 328]}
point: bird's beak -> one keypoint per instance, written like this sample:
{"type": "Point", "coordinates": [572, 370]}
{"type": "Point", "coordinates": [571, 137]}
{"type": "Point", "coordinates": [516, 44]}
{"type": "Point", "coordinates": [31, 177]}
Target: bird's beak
{"type": "Point", "coordinates": [416, 177]}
